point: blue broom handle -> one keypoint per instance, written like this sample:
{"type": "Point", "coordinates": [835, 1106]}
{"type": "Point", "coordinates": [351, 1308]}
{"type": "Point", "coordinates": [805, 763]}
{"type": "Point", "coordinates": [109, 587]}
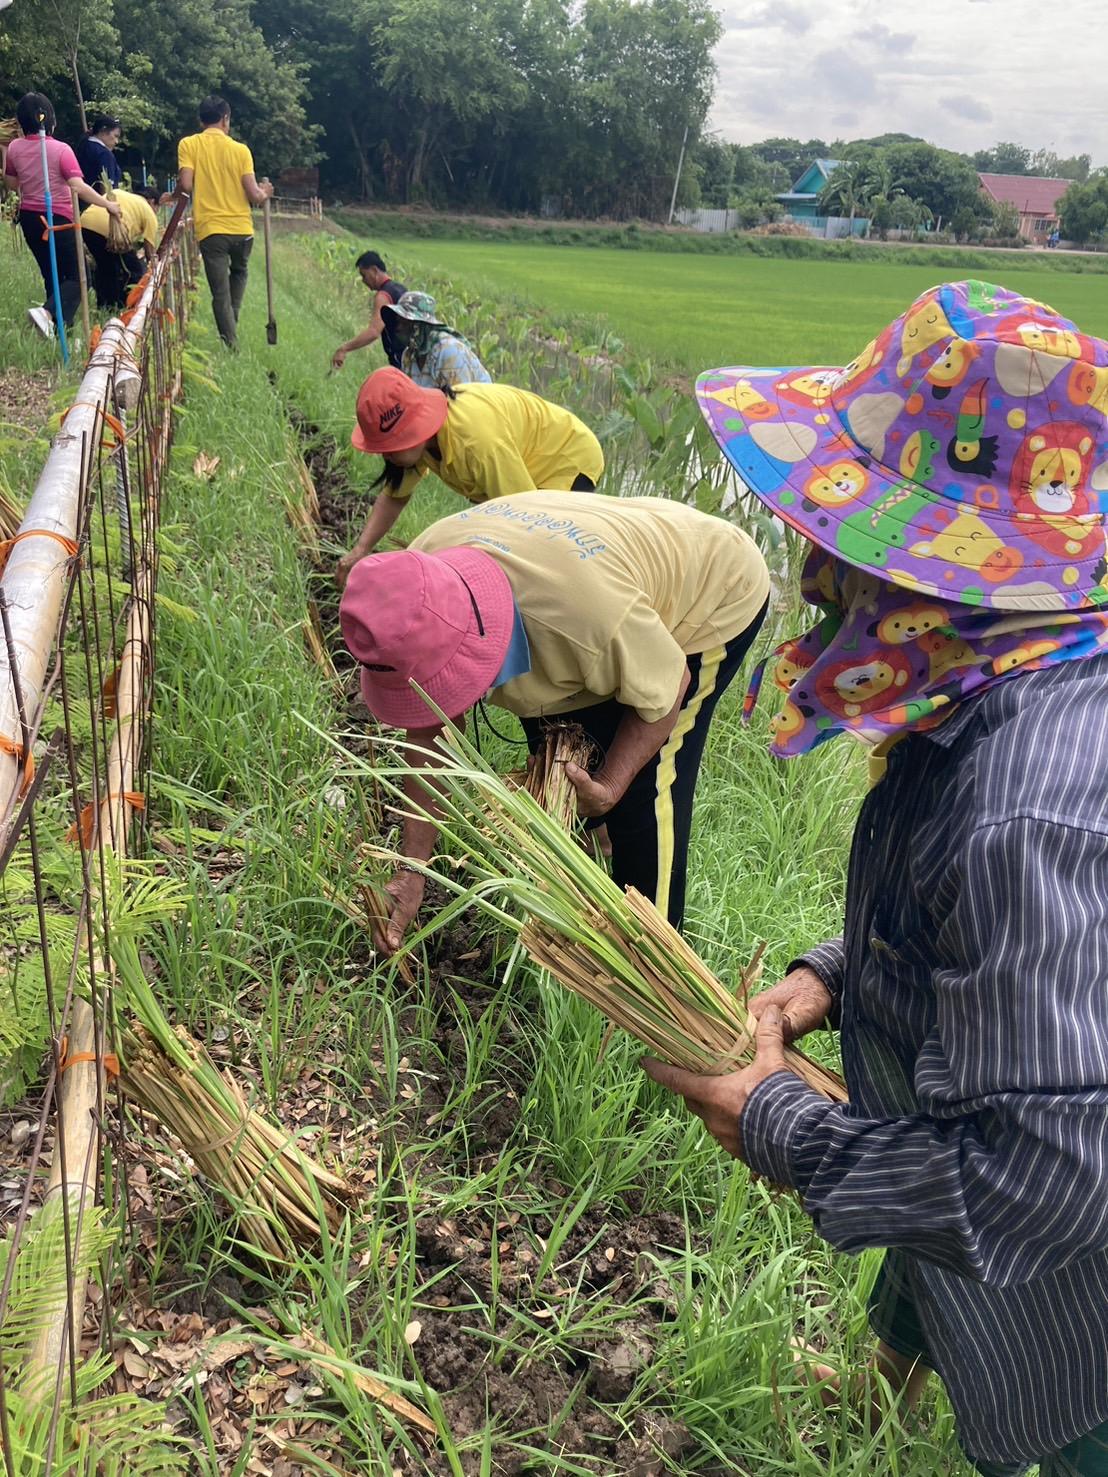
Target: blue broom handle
{"type": "Point", "coordinates": [59, 323]}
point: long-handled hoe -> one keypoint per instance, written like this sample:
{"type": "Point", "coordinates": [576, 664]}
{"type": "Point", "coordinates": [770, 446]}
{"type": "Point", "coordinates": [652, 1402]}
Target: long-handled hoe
{"type": "Point", "coordinates": [271, 325]}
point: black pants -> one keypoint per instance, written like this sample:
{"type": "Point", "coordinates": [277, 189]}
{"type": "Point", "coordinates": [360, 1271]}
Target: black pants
{"type": "Point", "coordinates": [65, 242]}
{"type": "Point", "coordinates": [649, 828]}
{"type": "Point", "coordinates": [225, 259]}
{"type": "Point", "coordinates": [581, 483]}
{"type": "Point", "coordinates": [116, 272]}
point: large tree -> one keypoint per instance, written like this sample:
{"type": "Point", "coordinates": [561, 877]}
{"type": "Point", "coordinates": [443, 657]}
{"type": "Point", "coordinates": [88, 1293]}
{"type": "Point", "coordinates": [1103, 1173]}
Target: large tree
{"type": "Point", "coordinates": [1084, 210]}
{"type": "Point", "coordinates": [152, 64]}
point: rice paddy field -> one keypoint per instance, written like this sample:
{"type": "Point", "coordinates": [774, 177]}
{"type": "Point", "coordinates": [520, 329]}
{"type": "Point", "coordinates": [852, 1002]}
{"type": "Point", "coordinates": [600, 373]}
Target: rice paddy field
{"type": "Point", "coordinates": [693, 312]}
{"type": "Point", "coordinates": [547, 1255]}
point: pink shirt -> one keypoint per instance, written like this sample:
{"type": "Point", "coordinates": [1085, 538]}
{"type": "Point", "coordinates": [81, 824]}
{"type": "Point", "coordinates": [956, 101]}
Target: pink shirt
{"type": "Point", "coordinates": [25, 165]}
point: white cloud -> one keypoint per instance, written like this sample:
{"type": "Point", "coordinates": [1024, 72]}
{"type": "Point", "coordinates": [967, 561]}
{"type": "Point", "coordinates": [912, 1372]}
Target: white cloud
{"type": "Point", "coordinates": [781, 17]}
{"type": "Point", "coordinates": [958, 72]}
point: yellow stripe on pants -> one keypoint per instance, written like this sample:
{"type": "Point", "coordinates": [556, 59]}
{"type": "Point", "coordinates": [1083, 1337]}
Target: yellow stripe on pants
{"type": "Point", "coordinates": [667, 769]}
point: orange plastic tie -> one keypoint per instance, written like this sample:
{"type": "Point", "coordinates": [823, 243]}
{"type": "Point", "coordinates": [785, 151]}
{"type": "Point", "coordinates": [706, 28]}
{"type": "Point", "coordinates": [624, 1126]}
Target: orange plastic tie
{"type": "Point", "coordinates": [46, 230]}
{"type": "Point", "coordinates": [6, 545]}
{"type": "Point", "coordinates": [109, 1060]}
{"type": "Point", "coordinates": [109, 419]}
{"type": "Point", "coordinates": [137, 291]}
{"type": "Point", "coordinates": [15, 749]}
{"type": "Point", "coordinates": [108, 693]}
{"type": "Point", "coordinates": [83, 827]}
{"type": "Point", "coordinates": [94, 339]}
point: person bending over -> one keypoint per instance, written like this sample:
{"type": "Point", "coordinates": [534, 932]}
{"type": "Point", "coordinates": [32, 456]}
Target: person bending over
{"type": "Point", "coordinates": [432, 356]}
{"type": "Point", "coordinates": [629, 616]}
{"type": "Point", "coordinates": [484, 441]}
{"type": "Point", "coordinates": [116, 272]}
{"type": "Point", "coordinates": [371, 269]}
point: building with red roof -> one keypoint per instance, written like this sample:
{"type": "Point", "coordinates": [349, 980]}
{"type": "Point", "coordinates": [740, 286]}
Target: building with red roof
{"type": "Point", "coordinates": [1034, 196]}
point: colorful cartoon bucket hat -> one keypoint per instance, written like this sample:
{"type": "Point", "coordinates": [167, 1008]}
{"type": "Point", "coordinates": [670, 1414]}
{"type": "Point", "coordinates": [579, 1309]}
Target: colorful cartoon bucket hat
{"type": "Point", "coordinates": [963, 453]}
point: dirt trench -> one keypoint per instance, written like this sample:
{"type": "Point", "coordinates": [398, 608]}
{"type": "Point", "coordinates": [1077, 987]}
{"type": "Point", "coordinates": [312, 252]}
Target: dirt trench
{"type": "Point", "coordinates": [566, 1400]}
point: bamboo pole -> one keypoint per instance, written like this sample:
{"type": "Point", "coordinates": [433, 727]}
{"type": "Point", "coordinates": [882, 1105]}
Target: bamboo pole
{"type": "Point", "coordinates": [35, 576]}
{"type": "Point", "coordinates": [82, 273]}
{"type": "Point", "coordinates": [55, 505]}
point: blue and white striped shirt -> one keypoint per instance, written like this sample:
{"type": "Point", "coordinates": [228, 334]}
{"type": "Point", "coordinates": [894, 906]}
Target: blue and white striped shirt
{"type": "Point", "coordinates": [972, 982]}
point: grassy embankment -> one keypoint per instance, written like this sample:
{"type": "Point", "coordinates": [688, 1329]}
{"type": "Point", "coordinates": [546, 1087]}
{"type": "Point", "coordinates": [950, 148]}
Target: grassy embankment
{"type": "Point", "coordinates": [585, 1266]}
{"type": "Point", "coordinates": [427, 225]}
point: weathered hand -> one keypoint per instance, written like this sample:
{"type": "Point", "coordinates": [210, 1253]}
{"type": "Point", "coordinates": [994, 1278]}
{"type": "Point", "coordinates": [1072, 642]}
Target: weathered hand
{"type": "Point", "coordinates": [112, 207]}
{"type": "Point", "coordinates": [345, 565]}
{"type": "Point", "coordinates": [594, 796]}
{"type": "Point", "coordinates": [338, 358]}
{"type": "Point", "coordinates": [404, 894]}
{"type": "Point", "coordinates": [802, 997]}
{"type": "Point", "coordinates": [719, 1102]}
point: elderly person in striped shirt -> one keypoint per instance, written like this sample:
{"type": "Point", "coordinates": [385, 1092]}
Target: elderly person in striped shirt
{"type": "Point", "coordinates": [952, 480]}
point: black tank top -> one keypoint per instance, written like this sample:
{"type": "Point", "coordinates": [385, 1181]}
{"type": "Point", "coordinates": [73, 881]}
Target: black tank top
{"type": "Point", "coordinates": [393, 351]}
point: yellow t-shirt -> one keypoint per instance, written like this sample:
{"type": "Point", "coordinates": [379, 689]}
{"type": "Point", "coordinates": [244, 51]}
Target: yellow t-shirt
{"type": "Point", "coordinates": [614, 593]}
{"type": "Point", "coordinates": [138, 217]}
{"type": "Point", "coordinates": [219, 203]}
{"type": "Point", "coordinates": [497, 440]}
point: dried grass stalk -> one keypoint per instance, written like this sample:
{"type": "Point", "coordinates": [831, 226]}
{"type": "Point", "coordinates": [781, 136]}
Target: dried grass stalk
{"type": "Point", "coordinates": [119, 238]}
{"type": "Point", "coordinates": [546, 780]}
{"type": "Point", "coordinates": [271, 1184]}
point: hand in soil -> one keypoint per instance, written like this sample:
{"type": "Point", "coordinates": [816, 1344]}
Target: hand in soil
{"type": "Point", "coordinates": [594, 796]}
{"type": "Point", "coordinates": [719, 1102]}
{"type": "Point", "coordinates": [804, 1000]}
{"type": "Point", "coordinates": [404, 895]}
{"type": "Point", "coordinates": [344, 566]}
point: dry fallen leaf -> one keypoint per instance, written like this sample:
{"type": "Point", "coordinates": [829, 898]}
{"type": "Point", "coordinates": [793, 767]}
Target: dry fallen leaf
{"type": "Point", "coordinates": [205, 466]}
{"type": "Point", "coordinates": [135, 1365]}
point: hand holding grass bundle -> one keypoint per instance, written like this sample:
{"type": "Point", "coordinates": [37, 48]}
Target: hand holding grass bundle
{"type": "Point", "coordinates": [609, 946]}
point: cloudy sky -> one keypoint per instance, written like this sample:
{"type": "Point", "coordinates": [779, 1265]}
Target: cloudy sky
{"type": "Point", "coordinates": [961, 73]}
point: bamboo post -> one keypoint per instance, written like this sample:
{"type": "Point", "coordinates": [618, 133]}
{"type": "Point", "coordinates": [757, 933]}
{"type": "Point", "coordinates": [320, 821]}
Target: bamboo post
{"type": "Point", "coordinates": [82, 273]}
{"type": "Point", "coordinates": [82, 1084]}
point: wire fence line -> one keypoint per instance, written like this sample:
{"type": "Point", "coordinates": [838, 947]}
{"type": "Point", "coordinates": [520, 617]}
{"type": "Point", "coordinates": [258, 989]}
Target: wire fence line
{"type": "Point", "coordinates": [77, 653]}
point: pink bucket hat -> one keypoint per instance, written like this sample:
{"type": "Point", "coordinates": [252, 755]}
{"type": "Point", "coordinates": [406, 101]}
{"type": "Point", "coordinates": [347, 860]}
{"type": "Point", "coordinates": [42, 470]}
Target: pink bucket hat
{"type": "Point", "coordinates": [442, 620]}
{"type": "Point", "coordinates": [963, 453]}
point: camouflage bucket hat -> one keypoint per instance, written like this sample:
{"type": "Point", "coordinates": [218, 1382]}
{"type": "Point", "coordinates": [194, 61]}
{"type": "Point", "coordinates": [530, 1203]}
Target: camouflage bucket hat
{"type": "Point", "coordinates": [417, 307]}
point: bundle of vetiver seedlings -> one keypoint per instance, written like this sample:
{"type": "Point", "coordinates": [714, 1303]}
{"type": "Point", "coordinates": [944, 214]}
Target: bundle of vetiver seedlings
{"type": "Point", "coordinates": [545, 778]}
{"type": "Point", "coordinates": [610, 946]}
{"type": "Point", "coordinates": [278, 1193]}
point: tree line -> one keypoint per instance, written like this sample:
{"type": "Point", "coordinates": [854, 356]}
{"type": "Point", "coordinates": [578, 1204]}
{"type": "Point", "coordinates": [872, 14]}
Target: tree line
{"type": "Point", "coordinates": [896, 181]}
{"type": "Point", "coordinates": [574, 107]}
{"type": "Point", "coordinates": [498, 103]}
